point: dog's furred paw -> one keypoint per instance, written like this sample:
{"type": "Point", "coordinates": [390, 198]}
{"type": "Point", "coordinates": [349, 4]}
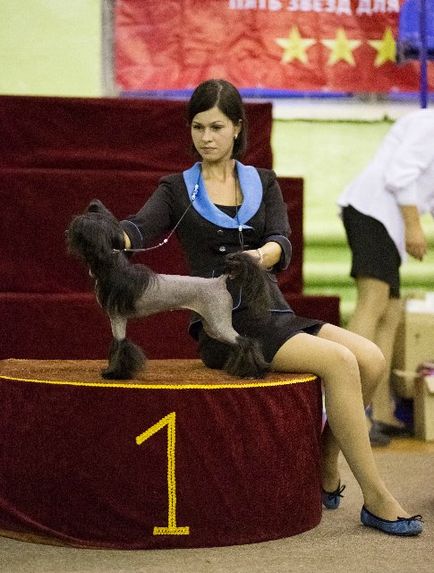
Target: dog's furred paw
{"type": "Point", "coordinates": [126, 359]}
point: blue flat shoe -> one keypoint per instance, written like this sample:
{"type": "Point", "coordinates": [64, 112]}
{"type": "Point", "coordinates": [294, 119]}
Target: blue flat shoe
{"type": "Point", "coordinates": [402, 526]}
{"type": "Point", "coordinates": [332, 499]}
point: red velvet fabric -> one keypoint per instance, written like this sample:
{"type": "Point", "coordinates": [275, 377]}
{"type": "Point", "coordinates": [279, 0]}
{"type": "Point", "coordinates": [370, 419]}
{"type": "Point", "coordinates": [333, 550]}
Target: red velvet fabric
{"type": "Point", "coordinates": [117, 134]}
{"type": "Point", "coordinates": [56, 155]}
{"type": "Point", "coordinates": [38, 207]}
{"type": "Point", "coordinates": [64, 326]}
{"type": "Point", "coordinates": [40, 203]}
{"type": "Point", "coordinates": [54, 326]}
{"type": "Point", "coordinates": [246, 459]}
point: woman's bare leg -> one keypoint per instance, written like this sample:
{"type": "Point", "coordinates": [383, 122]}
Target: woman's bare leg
{"type": "Point", "coordinates": [371, 369]}
{"type": "Point", "coordinates": [339, 370]}
{"type": "Point", "coordinates": [372, 300]}
{"type": "Point", "coordinates": [383, 405]}
{"type": "Point", "coordinates": [376, 317]}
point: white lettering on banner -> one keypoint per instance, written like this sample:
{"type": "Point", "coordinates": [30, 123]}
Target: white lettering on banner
{"type": "Point", "coordinates": [317, 5]}
{"type": "Point", "coordinates": [364, 7]}
{"type": "Point", "coordinates": [330, 6]}
{"type": "Point", "coordinates": [379, 6]}
{"type": "Point", "coordinates": [393, 6]}
{"type": "Point", "coordinates": [271, 5]}
{"type": "Point", "coordinates": [338, 7]}
{"type": "Point", "coordinates": [306, 5]}
{"type": "Point", "coordinates": [343, 7]}
{"type": "Point", "coordinates": [370, 7]}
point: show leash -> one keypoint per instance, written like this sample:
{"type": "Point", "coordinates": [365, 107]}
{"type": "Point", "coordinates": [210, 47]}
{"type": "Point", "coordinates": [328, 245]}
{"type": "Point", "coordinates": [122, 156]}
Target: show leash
{"type": "Point", "coordinates": [166, 240]}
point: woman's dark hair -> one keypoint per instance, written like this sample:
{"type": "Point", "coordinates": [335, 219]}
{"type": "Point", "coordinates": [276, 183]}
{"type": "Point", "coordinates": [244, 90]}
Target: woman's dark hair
{"type": "Point", "coordinates": [225, 96]}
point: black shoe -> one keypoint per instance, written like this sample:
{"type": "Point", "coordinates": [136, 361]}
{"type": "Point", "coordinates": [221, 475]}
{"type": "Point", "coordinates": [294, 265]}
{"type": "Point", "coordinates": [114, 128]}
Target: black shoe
{"type": "Point", "coordinates": [376, 436]}
{"type": "Point", "coordinates": [393, 431]}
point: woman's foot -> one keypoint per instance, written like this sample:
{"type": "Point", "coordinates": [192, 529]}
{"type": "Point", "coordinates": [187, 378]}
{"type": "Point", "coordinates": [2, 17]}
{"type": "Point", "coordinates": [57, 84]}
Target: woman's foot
{"type": "Point", "coordinates": [386, 423]}
{"type": "Point", "coordinates": [332, 499]}
{"type": "Point", "coordinates": [376, 437]}
{"type": "Point", "coordinates": [392, 430]}
{"type": "Point", "coordinates": [385, 507]}
{"type": "Point", "coordinates": [401, 526]}
{"type": "Point", "coordinates": [381, 432]}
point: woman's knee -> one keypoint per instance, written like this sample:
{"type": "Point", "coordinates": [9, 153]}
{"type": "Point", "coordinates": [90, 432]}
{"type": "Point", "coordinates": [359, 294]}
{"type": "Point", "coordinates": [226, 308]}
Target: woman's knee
{"type": "Point", "coordinates": [345, 358]}
{"type": "Point", "coordinates": [372, 362]}
{"type": "Point", "coordinates": [340, 363]}
{"type": "Point", "coordinates": [320, 355]}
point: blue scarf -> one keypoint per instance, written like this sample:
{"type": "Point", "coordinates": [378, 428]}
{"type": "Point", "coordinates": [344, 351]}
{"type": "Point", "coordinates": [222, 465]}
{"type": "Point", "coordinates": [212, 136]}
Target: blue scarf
{"type": "Point", "coordinates": [251, 187]}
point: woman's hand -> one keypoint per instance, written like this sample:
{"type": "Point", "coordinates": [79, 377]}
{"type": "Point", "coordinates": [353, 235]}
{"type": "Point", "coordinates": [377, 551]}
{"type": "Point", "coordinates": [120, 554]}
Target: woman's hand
{"type": "Point", "coordinates": [268, 255]}
{"type": "Point", "coordinates": [415, 242]}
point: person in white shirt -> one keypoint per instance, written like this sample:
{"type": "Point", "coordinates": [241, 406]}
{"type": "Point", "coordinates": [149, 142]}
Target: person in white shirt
{"type": "Point", "coordinates": [381, 211]}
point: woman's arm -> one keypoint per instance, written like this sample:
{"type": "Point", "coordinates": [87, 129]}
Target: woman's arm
{"type": "Point", "coordinates": [276, 250]}
{"type": "Point", "coordinates": [153, 219]}
{"type": "Point", "coordinates": [415, 241]}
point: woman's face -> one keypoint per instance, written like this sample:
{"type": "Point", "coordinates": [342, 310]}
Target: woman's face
{"type": "Point", "coordinates": [213, 135]}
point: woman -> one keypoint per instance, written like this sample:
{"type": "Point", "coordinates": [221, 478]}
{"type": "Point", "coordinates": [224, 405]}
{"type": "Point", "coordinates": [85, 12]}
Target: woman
{"type": "Point", "coordinates": [220, 206]}
{"type": "Point", "coordinates": [381, 211]}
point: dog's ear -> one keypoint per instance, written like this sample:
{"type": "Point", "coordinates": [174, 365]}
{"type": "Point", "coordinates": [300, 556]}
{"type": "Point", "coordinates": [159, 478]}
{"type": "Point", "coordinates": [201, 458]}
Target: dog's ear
{"type": "Point", "coordinates": [96, 206]}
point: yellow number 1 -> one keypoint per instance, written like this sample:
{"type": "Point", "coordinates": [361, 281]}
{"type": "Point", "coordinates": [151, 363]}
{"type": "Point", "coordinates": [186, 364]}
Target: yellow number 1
{"type": "Point", "coordinates": [169, 421]}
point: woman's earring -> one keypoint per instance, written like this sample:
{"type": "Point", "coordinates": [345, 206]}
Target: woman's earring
{"type": "Point", "coordinates": [236, 135]}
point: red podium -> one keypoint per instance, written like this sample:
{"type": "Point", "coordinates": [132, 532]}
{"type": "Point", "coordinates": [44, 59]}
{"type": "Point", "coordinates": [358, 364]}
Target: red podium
{"type": "Point", "coordinates": [180, 457]}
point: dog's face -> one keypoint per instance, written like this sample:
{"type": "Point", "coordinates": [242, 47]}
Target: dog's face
{"type": "Point", "coordinates": [94, 234]}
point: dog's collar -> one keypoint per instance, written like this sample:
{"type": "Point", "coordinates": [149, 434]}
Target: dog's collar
{"type": "Point", "coordinates": [251, 187]}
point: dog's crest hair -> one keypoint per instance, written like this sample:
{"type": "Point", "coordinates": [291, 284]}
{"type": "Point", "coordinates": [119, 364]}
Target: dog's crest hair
{"type": "Point", "coordinates": [97, 238]}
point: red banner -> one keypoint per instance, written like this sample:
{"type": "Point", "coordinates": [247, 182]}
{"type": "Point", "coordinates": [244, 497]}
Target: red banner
{"type": "Point", "coordinates": [264, 45]}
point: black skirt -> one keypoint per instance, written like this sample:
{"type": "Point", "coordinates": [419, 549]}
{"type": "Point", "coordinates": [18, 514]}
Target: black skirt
{"type": "Point", "coordinates": [271, 331]}
{"type": "Point", "coordinates": [374, 254]}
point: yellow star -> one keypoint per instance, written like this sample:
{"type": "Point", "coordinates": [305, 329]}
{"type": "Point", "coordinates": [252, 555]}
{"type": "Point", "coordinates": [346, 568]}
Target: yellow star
{"type": "Point", "coordinates": [341, 48]}
{"type": "Point", "coordinates": [294, 46]}
{"type": "Point", "coordinates": [386, 48]}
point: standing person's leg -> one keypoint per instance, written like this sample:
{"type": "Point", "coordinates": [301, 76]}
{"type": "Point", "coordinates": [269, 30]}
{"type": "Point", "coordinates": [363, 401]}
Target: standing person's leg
{"type": "Point", "coordinates": [368, 318]}
{"type": "Point", "coordinates": [371, 305]}
{"type": "Point", "coordinates": [375, 267]}
{"type": "Point", "coordinates": [369, 245]}
{"type": "Point", "coordinates": [339, 370]}
{"type": "Point", "coordinates": [382, 404]}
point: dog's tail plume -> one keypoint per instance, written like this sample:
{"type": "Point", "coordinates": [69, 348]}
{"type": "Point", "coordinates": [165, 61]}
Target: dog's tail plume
{"type": "Point", "coordinates": [246, 273]}
{"type": "Point", "coordinates": [246, 359]}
